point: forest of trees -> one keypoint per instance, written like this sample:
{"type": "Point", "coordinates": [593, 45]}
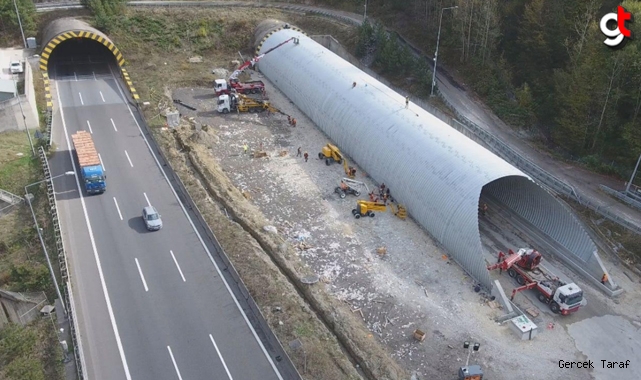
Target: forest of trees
{"type": "Point", "coordinates": [541, 65]}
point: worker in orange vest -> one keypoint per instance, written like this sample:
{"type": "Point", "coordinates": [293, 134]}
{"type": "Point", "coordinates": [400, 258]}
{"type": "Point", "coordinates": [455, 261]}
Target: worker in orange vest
{"type": "Point", "coordinates": [604, 278]}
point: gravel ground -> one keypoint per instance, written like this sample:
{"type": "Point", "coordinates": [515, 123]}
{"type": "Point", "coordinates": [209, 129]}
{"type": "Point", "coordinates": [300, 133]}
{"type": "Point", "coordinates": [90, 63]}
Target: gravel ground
{"type": "Point", "coordinates": [414, 285]}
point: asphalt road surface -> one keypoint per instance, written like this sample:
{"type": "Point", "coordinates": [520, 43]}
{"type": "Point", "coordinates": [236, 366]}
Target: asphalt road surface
{"type": "Point", "coordinates": [151, 305]}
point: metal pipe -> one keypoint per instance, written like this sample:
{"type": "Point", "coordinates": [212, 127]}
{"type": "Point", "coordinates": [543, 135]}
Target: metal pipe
{"type": "Point", "coordinates": [438, 40]}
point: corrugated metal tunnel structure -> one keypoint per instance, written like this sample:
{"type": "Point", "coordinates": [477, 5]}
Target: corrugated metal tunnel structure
{"type": "Point", "coordinates": [67, 28]}
{"type": "Point", "coordinates": [434, 170]}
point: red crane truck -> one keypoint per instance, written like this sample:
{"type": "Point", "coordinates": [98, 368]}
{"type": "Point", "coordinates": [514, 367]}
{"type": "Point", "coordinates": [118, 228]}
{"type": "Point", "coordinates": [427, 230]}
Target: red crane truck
{"type": "Point", "coordinates": [524, 266]}
{"type": "Point", "coordinates": [222, 86]}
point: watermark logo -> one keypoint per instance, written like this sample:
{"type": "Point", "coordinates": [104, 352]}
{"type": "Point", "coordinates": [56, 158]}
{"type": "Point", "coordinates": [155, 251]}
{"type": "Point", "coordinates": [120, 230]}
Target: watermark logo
{"type": "Point", "coordinates": [616, 36]}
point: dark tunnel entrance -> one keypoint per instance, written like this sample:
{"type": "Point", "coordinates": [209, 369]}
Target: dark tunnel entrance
{"type": "Point", "coordinates": [81, 58]}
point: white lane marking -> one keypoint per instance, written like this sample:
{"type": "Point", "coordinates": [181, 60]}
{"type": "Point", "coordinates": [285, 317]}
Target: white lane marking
{"type": "Point", "coordinates": [89, 125]}
{"type": "Point", "coordinates": [101, 164]}
{"type": "Point", "coordinates": [81, 102]}
{"type": "Point", "coordinates": [221, 357]}
{"type": "Point", "coordinates": [114, 124]}
{"type": "Point", "coordinates": [177, 266]}
{"type": "Point", "coordinates": [94, 78]}
{"type": "Point", "coordinates": [191, 222]}
{"type": "Point", "coordinates": [129, 159]}
{"type": "Point", "coordinates": [145, 194]}
{"type": "Point", "coordinates": [142, 276]}
{"type": "Point", "coordinates": [103, 98]}
{"type": "Point", "coordinates": [117, 208]}
{"type": "Point", "coordinates": [103, 284]}
{"type": "Point", "coordinates": [75, 76]}
{"type": "Point", "coordinates": [174, 361]}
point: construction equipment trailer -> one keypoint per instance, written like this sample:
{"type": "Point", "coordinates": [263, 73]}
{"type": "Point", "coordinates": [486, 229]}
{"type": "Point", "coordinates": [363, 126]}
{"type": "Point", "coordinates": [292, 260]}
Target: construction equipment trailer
{"type": "Point", "coordinates": [243, 103]}
{"type": "Point", "coordinates": [93, 174]}
{"type": "Point", "coordinates": [525, 266]}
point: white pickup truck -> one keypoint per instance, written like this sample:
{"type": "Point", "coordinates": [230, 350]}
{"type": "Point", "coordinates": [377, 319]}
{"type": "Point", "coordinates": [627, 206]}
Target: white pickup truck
{"type": "Point", "coordinates": [16, 67]}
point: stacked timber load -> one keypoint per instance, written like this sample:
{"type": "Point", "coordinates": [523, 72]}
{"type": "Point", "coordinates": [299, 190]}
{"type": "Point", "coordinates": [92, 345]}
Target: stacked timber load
{"type": "Point", "coordinates": [85, 149]}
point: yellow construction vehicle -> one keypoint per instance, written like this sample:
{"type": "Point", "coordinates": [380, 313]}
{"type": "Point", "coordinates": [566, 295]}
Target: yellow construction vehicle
{"type": "Point", "coordinates": [330, 153]}
{"type": "Point", "coordinates": [366, 208]}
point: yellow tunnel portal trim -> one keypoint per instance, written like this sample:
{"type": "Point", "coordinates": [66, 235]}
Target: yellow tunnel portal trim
{"type": "Point", "coordinates": [57, 40]}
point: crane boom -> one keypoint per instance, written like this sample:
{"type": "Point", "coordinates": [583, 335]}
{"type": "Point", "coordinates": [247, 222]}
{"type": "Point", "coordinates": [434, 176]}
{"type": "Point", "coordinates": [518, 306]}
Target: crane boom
{"type": "Point", "coordinates": [252, 62]}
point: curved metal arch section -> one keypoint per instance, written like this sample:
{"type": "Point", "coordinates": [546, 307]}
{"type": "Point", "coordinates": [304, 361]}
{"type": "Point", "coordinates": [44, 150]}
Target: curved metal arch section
{"type": "Point", "coordinates": [64, 29]}
{"type": "Point", "coordinates": [437, 172]}
{"type": "Point", "coordinates": [547, 214]}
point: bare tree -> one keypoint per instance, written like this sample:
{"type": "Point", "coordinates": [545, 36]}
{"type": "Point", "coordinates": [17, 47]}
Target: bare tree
{"type": "Point", "coordinates": [581, 27]}
{"type": "Point", "coordinates": [614, 73]}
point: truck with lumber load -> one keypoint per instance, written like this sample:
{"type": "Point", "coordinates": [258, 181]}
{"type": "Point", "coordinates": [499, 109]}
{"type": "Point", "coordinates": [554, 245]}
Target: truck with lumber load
{"type": "Point", "coordinates": [525, 266]}
{"type": "Point", "coordinates": [93, 174]}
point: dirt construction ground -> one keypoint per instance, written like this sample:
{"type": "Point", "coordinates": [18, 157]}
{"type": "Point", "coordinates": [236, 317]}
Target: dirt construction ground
{"type": "Point", "coordinates": [413, 285]}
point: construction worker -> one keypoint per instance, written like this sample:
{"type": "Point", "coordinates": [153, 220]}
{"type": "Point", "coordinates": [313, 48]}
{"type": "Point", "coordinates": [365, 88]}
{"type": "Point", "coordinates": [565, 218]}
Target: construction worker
{"type": "Point", "coordinates": [245, 147]}
{"type": "Point", "coordinates": [306, 156]}
{"type": "Point", "coordinates": [289, 120]}
{"type": "Point", "coordinates": [483, 209]}
{"type": "Point", "coordinates": [353, 84]}
{"type": "Point", "coordinates": [371, 196]}
{"type": "Point", "coordinates": [299, 152]}
{"type": "Point", "coordinates": [343, 186]}
{"type": "Point", "coordinates": [407, 101]}
{"type": "Point", "coordinates": [604, 278]}
{"type": "Point", "coordinates": [293, 122]}
{"type": "Point", "coordinates": [260, 147]}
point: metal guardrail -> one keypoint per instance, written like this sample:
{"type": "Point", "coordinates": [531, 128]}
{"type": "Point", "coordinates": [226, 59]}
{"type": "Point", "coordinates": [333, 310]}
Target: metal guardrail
{"type": "Point", "coordinates": [628, 198]}
{"type": "Point", "coordinates": [62, 262]}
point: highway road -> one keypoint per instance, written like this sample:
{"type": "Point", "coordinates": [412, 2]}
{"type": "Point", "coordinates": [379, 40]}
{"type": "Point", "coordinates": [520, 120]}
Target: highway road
{"type": "Point", "coordinates": [151, 305]}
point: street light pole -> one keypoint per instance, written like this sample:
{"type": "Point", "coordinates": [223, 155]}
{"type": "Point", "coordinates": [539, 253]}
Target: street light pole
{"type": "Point", "coordinates": [24, 118]}
{"type": "Point", "coordinates": [627, 188]}
{"type": "Point", "coordinates": [438, 40]}
{"type": "Point", "coordinates": [42, 242]}
{"type": "Point", "coordinates": [24, 40]}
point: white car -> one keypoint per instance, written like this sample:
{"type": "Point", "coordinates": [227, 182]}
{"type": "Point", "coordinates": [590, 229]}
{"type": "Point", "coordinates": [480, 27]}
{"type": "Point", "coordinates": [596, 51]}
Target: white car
{"type": "Point", "coordinates": [16, 67]}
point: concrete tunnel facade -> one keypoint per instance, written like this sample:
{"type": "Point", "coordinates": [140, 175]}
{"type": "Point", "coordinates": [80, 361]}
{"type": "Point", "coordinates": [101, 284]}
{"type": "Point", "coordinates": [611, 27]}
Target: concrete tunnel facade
{"type": "Point", "coordinates": [67, 28]}
{"type": "Point", "coordinates": [436, 171]}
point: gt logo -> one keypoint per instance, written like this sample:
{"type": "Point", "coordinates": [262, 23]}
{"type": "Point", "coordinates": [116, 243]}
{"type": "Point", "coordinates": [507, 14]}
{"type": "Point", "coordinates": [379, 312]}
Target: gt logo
{"type": "Point", "coordinates": [617, 35]}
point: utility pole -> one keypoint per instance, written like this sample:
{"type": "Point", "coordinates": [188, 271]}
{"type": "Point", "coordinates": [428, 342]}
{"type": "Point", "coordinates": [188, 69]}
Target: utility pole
{"type": "Point", "coordinates": [24, 40]}
{"type": "Point", "coordinates": [627, 188]}
{"type": "Point", "coordinates": [438, 40]}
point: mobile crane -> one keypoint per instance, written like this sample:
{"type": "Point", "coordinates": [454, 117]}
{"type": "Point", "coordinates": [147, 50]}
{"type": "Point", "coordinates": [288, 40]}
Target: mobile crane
{"type": "Point", "coordinates": [222, 86]}
{"type": "Point", "coordinates": [524, 265]}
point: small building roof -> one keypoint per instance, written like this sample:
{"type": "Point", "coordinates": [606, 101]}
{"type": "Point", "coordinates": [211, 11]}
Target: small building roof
{"type": "Point", "coordinates": [7, 85]}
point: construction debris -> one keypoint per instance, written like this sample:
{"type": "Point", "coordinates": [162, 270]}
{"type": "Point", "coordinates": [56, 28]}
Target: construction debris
{"type": "Point", "coordinates": [381, 251]}
{"type": "Point", "coordinates": [419, 335]}
{"type": "Point", "coordinates": [196, 59]}
{"type": "Point", "coordinates": [532, 311]}
{"type": "Point", "coordinates": [259, 154]}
